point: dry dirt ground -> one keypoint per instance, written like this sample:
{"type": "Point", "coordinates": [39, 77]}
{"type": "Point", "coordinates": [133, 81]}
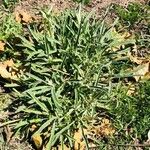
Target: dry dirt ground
{"type": "Point", "coordinates": [60, 5]}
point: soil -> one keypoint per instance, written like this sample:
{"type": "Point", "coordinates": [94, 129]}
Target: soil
{"type": "Point", "coordinates": [33, 6]}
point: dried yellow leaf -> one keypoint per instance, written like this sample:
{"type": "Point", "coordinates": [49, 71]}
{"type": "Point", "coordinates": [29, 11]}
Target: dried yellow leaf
{"type": "Point", "coordinates": [37, 139]}
{"type": "Point", "coordinates": [8, 71]}
{"type": "Point", "coordinates": [26, 17]}
{"type": "Point", "coordinates": [107, 131]}
{"type": "Point", "coordinates": [131, 90]}
{"type": "Point", "coordinates": [137, 60]}
{"type": "Point", "coordinates": [64, 147]}
{"type": "Point", "coordinates": [106, 128]}
{"type": "Point", "coordinates": [102, 130]}
{"type": "Point", "coordinates": [79, 143]}
{"type": "Point", "coordinates": [126, 35]}
{"type": "Point", "coordinates": [33, 127]}
{"type": "Point", "coordinates": [2, 44]}
{"type": "Point", "coordinates": [9, 63]}
{"type": "Point", "coordinates": [146, 76]}
{"type": "Point", "coordinates": [3, 71]}
{"type": "Point", "coordinates": [120, 38]}
{"type": "Point", "coordinates": [17, 17]}
{"type": "Point", "coordinates": [105, 121]}
{"type": "Point", "coordinates": [22, 15]}
{"type": "Point", "coordinates": [141, 71]}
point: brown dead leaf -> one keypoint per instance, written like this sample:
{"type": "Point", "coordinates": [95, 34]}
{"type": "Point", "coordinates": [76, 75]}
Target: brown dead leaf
{"type": "Point", "coordinates": [141, 71]}
{"type": "Point", "coordinates": [23, 16]}
{"type": "Point", "coordinates": [2, 44]}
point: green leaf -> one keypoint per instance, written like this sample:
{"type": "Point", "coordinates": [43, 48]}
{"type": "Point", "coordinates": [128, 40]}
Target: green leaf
{"type": "Point", "coordinates": [40, 104]}
{"type": "Point", "coordinates": [31, 111]}
{"type": "Point", "coordinates": [57, 135]}
{"type": "Point", "coordinates": [45, 125]}
{"type": "Point", "coordinates": [55, 99]}
{"type": "Point", "coordinates": [38, 90]}
{"type": "Point", "coordinates": [21, 123]}
{"type": "Point", "coordinates": [26, 43]}
{"type": "Point", "coordinates": [11, 85]}
{"type": "Point", "coordinates": [51, 139]}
